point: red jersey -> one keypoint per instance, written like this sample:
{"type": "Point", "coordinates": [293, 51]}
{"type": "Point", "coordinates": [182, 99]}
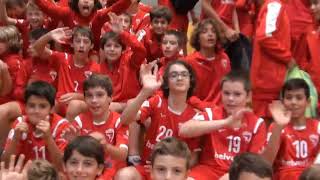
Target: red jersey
{"type": "Point", "coordinates": [271, 52]}
{"type": "Point", "coordinates": [114, 133]}
{"type": "Point", "coordinates": [32, 145]}
{"type": "Point", "coordinates": [125, 72]}
{"type": "Point", "coordinates": [298, 149]}
{"type": "Point", "coordinates": [14, 63]}
{"type": "Point", "coordinates": [151, 42]}
{"type": "Point", "coordinates": [140, 20]}
{"type": "Point", "coordinates": [165, 123]}
{"type": "Point", "coordinates": [246, 11]}
{"type": "Point", "coordinates": [70, 77]}
{"type": "Point", "coordinates": [209, 74]}
{"type": "Point", "coordinates": [178, 22]}
{"type": "Point", "coordinates": [164, 61]}
{"type": "Point", "coordinates": [224, 8]}
{"type": "Point", "coordinates": [223, 145]}
{"type": "Point", "coordinates": [35, 69]}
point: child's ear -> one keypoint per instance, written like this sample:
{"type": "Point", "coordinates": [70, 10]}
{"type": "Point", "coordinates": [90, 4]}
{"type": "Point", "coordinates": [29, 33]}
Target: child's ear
{"type": "Point", "coordinates": [101, 167]}
{"type": "Point", "coordinates": [91, 47]}
{"type": "Point", "coordinates": [249, 97]}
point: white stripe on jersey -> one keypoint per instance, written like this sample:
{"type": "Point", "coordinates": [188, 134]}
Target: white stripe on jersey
{"type": "Point", "coordinates": [79, 122]}
{"type": "Point", "coordinates": [260, 120]}
{"type": "Point", "coordinates": [54, 132]}
{"type": "Point", "coordinates": [273, 12]}
{"type": "Point", "coordinates": [210, 114]}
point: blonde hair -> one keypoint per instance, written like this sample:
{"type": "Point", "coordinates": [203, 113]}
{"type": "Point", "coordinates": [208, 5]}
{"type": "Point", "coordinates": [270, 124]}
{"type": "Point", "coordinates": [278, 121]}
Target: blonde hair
{"type": "Point", "coordinates": [11, 36]}
{"type": "Point", "coordinates": [42, 170]}
{"type": "Point", "coordinates": [32, 6]}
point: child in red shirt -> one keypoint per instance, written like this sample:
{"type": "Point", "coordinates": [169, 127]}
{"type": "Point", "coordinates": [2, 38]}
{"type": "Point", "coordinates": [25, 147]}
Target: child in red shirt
{"type": "Point", "coordinates": [151, 36]}
{"type": "Point", "coordinates": [38, 134]}
{"type": "Point", "coordinates": [166, 112]}
{"type": "Point", "coordinates": [73, 69]}
{"type": "Point", "coordinates": [293, 139]}
{"type": "Point", "coordinates": [230, 130]}
{"type": "Point", "coordinates": [271, 55]}
{"type": "Point", "coordinates": [10, 61]}
{"type": "Point", "coordinates": [208, 59]}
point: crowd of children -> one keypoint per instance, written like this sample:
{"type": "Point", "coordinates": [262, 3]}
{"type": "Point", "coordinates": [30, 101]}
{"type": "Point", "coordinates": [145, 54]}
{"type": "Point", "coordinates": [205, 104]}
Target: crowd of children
{"type": "Point", "coordinates": [95, 89]}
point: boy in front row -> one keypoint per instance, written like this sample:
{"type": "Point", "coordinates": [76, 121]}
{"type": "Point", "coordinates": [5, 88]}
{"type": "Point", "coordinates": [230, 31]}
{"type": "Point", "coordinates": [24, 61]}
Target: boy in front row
{"type": "Point", "coordinates": [37, 135]}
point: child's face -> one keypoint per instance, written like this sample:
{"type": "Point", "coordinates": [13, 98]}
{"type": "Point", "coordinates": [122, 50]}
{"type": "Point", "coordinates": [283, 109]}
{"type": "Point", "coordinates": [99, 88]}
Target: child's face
{"type": "Point", "coordinates": [37, 108]}
{"type": "Point", "coordinates": [315, 8]}
{"type": "Point", "coordinates": [167, 167]}
{"type": "Point", "coordinates": [35, 18]}
{"type": "Point", "coordinates": [179, 78]}
{"type": "Point", "coordinates": [3, 47]}
{"type": "Point", "coordinates": [296, 102]}
{"type": "Point", "coordinates": [98, 101]}
{"type": "Point", "coordinates": [208, 36]}
{"type": "Point", "coordinates": [234, 96]}
{"type": "Point", "coordinates": [16, 11]}
{"type": "Point", "coordinates": [112, 50]}
{"type": "Point", "coordinates": [170, 46]}
{"type": "Point", "coordinates": [159, 25]}
{"type": "Point", "coordinates": [82, 45]}
{"type": "Point", "coordinates": [125, 21]}
{"type": "Point", "coordinates": [82, 167]}
{"type": "Point", "coordinates": [86, 7]}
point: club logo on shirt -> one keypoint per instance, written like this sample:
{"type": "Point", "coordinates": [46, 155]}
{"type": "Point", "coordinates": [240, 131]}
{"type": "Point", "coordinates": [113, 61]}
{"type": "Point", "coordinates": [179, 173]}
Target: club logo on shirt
{"type": "Point", "coordinates": [53, 75]}
{"type": "Point", "coordinates": [224, 63]}
{"type": "Point", "coordinates": [87, 74]}
{"type": "Point", "coordinates": [247, 136]}
{"type": "Point", "coordinates": [314, 139]}
{"type": "Point", "coordinates": [109, 135]}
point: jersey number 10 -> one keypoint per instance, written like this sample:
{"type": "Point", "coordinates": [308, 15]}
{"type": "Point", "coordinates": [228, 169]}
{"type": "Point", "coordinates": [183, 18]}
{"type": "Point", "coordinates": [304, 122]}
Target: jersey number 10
{"type": "Point", "coordinates": [301, 148]}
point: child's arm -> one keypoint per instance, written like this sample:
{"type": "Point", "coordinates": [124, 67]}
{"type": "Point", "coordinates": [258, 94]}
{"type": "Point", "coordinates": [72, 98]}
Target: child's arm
{"type": "Point", "coordinates": [14, 140]}
{"type": "Point", "coordinates": [209, 11]}
{"type": "Point", "coordinates": [195, 128]}
{"type": "Point", "coordinates": [54, 11]}
{"type": "Point", "coordinates": [235, 21]}
{"type": "Point", "coordinates": [54, 152]}
{"type": "Point", "coordinates": [59, 35]}
{"type": "Point", "coordinates": [6, 80]}
{"type": "Point", "coordinates": [150, 85]}
{"type": "Point", "coordinates": [117, 153]}
{"type": "Point", "coordinates": [4, 15]}
{"type": "Point", "coordinates": [281, 118]}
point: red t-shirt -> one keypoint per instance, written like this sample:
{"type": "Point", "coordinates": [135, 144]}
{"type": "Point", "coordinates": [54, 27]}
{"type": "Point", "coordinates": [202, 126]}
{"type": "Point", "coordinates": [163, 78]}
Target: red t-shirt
{"type": "Point", "coordinates": [35, 69]}
{"type": "Point", "coordinates": [71, 77]}
{"type": "Point", "coordinates": [298, 149]}
{"type": "Point", "coordinates": [209, 74]}
{"type": "Point", "coordinates": [14, 63]}
{"type": "Point", "coordinates": [221, 146]}
{"type": "Point", "coordinates": [151, 42]}
{"type": "Point", "coordinates": [32, 145]}
{"type": "Point", "coordinates": [224, 9]}
{"type": "Point", "coordinates": [165, 123]}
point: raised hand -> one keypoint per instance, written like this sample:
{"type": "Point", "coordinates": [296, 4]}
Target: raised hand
{"type": "Point", "coordinates": [70, 133]}
{"type": "Point", "coordinates": [231, 34]}
{"type": "Point", "coordinates": [236, 118]}
{"type": "Point", "coordinates": [21, 127]}
{"type": "Point", "coordinates": [61, 35]}
{"type": "Point", "coordinates": [15, 172]}
{"type": "Point", "coordinates": [279, 114]}
{"type": "Point", "coordinates": [150, 78]}
{"type": "Point", "coordinates": [115, 23]}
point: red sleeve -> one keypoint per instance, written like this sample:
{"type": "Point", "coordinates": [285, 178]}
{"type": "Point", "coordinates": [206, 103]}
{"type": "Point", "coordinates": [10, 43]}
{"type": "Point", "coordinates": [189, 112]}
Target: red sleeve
{"type": "Point", "coordinates": [102, 16]}
{"type": "Point", "coordinates": [269, 25]}
{"type": "Point", "coordinates": [122, 139]}
{"type": "Point", "coordinates": [240, 4]}
{"type": "Point", "coordinates": [259, 137]}
{"type": "Point", "coordinates": [11, 135]}
{"type": "Point", "coordinates": [22, 81]}
{"type": "Point", "coordinates": [57, 133]}
{"type": "Point", "coordinates": [138, 51]}
{"type": "Point", "coordinates": [54, 11]}
{"type": "Point", "coordinates": [147, 108]}
{"type": "Point", "coordinates": [57, 58]}
{"type": "Point", "coordinates": [14, 66]}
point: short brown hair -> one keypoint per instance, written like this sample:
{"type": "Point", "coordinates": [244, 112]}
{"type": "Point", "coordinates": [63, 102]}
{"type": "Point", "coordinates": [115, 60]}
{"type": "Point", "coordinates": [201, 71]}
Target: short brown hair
{"type": "Point", "coordinates": [195, 36]}
{"type": "Point", "coordinates": [181, 37]}
{"type": "Point", "coordinates": [11, 36]}
{"type": "Point", "coordinates": [98, 80]}
{"type": "Point", "coordinates": [83, 31]}
{"type": "Point", "coordinates": [251, 163]}
{"type": "Point", "coordinates": [42, 170]}
{"type": "Point", "coordinates": [171, 146]}
{"type": "Point", "coordinates": [111, 36]}
{"type": "Point", "coordinates": [238, 76]}
{"type": "Point", "coordinates": [161, 12]}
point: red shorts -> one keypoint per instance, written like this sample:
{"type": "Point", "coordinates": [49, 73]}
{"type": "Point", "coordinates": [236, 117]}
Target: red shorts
{"type": "Point", "coordinates": [204, 172]}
